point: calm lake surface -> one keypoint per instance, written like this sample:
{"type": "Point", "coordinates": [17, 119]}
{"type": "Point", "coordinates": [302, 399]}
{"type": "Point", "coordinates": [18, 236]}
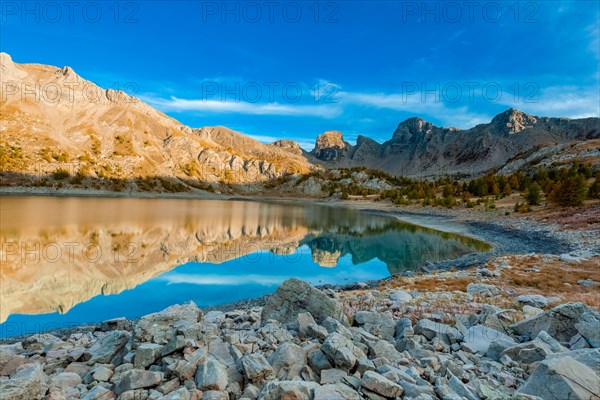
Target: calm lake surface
{"type": "Point", "coordinates": [67, 261]}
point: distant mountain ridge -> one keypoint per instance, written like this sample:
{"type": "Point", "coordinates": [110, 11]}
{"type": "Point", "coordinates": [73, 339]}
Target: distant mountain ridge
{"type": "Point", "coordinates": [114, 141]}
{"type": "Point", "coordinates": [419, 148]}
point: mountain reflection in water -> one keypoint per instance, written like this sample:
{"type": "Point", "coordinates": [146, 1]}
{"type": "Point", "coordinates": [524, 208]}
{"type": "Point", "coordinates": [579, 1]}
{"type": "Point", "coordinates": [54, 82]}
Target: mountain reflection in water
{"type": "Point", "coordinates": [65, 255]}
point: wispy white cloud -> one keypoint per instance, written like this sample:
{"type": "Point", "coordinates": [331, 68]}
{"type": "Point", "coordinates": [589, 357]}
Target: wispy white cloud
{"type": "Point", "coordinates": [593, 32]}
{"type": "Point", "coordinates": [226, 280]}
{"type": "Point", "coordinates": [561, 101]}
{"type": "Point", "coordinates": [305, 144]}
{"type": "Point", "coordinates": [460, 117]}
{"type": "Point", "coordinates": [175, 104]}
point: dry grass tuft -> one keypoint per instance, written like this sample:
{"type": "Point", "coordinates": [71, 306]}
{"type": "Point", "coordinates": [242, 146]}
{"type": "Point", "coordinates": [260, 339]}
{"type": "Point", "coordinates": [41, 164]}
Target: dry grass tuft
{"type": "Point", "coordinates": [432, 283]}
{"type": "Point", "coordinates": [554, 278]}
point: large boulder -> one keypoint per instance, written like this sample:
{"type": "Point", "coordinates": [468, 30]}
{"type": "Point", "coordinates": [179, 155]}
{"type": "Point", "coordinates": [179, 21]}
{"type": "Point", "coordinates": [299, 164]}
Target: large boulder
{"type": "Point", "coordinates": [377, 324]}
{"type": "Point", "coordinates": [161, 327]}
{"type": "Point", "coordinates": [588, 326]}
{"type": "Point", "coordinates": [535, 350]}
{"type": "Point", "coordinates": [339, 351]}
{"type": "Point", "coordinates": [211, 375]}
{"type": "Point", "coordinates": [137, 379]}
{"type": "Point", "coordinates": [256, 367]}
{"type": "Point", "coordinates": [295, 296]}
{"type": "Point", "coordinates": [380, 384]}
{"type": "Point", "coordinates": [558, 322]}
{"type": "Point", "coordinates": [110, 349]}
{"type": "Point", "coordinates": [560, 378]}
{"type": "Point", "coordinates": [478, 339]}
{"type": "Point", "coordinates": [288, 361]}
{"type": "Point", "coordinates": [28, 382]}
{"type": "Point", "coordinates": [532, 300]}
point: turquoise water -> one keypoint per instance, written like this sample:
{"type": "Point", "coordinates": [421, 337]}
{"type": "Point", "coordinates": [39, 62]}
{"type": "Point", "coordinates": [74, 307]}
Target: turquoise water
{"type": "Point", "coordinates": [68, 261]}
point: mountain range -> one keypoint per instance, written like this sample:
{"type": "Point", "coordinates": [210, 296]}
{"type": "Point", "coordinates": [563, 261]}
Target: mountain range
{"type": "Point", "coordinates": [419, 148]}
{"type": "Point", "coordinates": [54, 119]}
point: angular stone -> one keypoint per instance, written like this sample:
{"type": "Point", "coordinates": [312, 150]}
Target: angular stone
{"type": "Point", "coordinates": [404, 329]}
{"type": "Point", "coordinates": [186, 369]}
{"type": "Point", "coordinates": [412, 390]}
{"type": "Point", "coordinates": [102, 373]}
{"type": "Point", "coordinates": [28, 382]}
{"type": "Point", "coordinates": [64, 381]}
{"type": "Point", "coordinates": [338, 349]}
{"type": "Point", "coordinates": [431, 329]}
{"type": "Point", "coordinates": [162, 326]}
{"type": "Point", "coordinates": [108, 349]}
{"type": "Point", "coordinates": [497, 348]}
{"type": "Point", "coordinates": [381, 385]}
{"type": "Point", "coordinates": [332, 375]}
{"type": "Point", "coordinates": [589, 327]}
{"type": "Point", "coordinates": [288, 361]}
{"type": "Point", "coordinates": [334, 326]}
{"type": "Point", "coordinates": [561, 378]}
{"type": "Point", "coordinates": [9, 362]}
{"type": "Point", "coordinates": [588, 357]}
{"type": "Point", "coordinates": [293, 390]}
{"type": "Point", "coordinates": [461, 389]}
{"type": "Point", "coordinates": [256, 367]}
{"type": "Point", "coordinates": [295, 296]}
{"type": "Point", "coordinates": [535, 350]}
{"type": "Point", "coordinates": [211, 375]}
{"type": "Point", "coordinates": [304, 320]}
{"type": "Point", "coordinates": [318, 361]}
{"type": "Point", "coordinates": [376, 324]}
{"type": "Point", "coordinates": [532, 300]}
{"type": "Point", "coordinates": [116, 324]}
{"type": "Point", "coordinates": [180, 394]}
{"type": "Point", "coordinates": [137, 379]}
{"type": "Point", "coordinates": [215, 395]}
{"type": "Point", "coordinates": [336, 391]}
{"type": "Point", "coordinates": [400, 296]}
{"type": "Point", "coordinates": [482, 289]}
{"type": "Point", "coordinates": [383, 348]}
{"type": "Point", "coordinates": [99, 393]}
{"type": "Point", "coordinates": [478, 339]}
{"type": "Point", "coordinates": [146, 354]}
{"type": "Point", "coordinates": [559, 322]}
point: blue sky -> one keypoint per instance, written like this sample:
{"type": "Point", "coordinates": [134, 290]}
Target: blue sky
{"type": "Point", "coordinates": [297, 68]}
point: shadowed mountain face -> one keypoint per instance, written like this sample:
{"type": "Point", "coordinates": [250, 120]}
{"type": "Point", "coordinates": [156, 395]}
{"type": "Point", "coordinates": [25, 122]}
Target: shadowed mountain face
{"type": "Point", "coordinates": [419, 148]}
{"type": "Point", "coordinates": [59, 252]}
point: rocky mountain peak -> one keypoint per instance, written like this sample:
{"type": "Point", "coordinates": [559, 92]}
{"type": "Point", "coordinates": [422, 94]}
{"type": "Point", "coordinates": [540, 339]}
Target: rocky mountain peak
{"type": "Point", "coordinates": [9, 69]}
{"type": "Point", "coordinates": [330, 146]}
{"type": "Point", "coordinates": [288, 145]}
{"type": "Point", "coordinates": [411, 129]}
{"type": "Point", "coordinates": [513, 121]}
{"type": "Point", "coordinates": [5, 58]}
{"type": "Point", "coordinates": [330, 139]}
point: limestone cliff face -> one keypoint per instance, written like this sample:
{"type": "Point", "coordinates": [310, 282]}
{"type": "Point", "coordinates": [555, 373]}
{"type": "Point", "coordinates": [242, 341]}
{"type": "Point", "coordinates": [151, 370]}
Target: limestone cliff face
{"type": "Point", "coordinates": [54, 119]}
{"type": "Point", "coordinates": [330, 146]}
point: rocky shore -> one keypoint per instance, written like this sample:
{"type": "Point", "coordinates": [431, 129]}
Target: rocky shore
{"type": "Point", "coordinates": [397, 341]}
